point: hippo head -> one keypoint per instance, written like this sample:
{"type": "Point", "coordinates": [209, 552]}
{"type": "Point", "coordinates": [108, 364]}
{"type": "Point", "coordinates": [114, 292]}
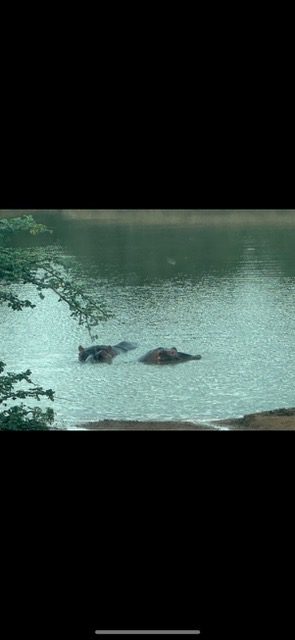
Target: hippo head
{"type": "Point", "coordinates": [103, 355]}
{"type": "Point", "coordinates": [172, 356]}
{"type": "Point", "coordinates": [166, 356]}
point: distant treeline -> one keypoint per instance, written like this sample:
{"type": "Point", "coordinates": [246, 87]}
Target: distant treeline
{"type": "Point", "coordinates": [158, 217]}
{"type": "Point", "coordinates": [99, 212]}
{"type": "Point", "coordinates": [180, 216]}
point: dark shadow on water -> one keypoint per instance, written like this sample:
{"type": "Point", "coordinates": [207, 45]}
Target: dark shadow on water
{"type": "Point", "coordinates": [140, 253]}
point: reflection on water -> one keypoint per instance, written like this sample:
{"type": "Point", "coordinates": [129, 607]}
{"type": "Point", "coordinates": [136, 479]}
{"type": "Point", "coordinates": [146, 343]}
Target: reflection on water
{"type": "Point", "coordinates": [224, 292]}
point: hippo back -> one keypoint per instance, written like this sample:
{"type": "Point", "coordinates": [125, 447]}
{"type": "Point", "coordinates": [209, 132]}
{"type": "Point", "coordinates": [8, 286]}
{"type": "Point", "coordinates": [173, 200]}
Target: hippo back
{"type": "Point", "coordinates": [94, 350]}
{"type": "Point", "coordinates": [125, 346]}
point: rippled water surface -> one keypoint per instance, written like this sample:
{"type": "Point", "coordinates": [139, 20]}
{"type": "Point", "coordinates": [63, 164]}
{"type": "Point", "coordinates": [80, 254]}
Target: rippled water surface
{"type": "Point", "coordinates": [225, 291]}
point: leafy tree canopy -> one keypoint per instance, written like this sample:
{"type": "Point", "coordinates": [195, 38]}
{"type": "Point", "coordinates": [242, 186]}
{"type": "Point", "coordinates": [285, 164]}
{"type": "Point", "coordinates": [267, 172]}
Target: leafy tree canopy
{"type": "Point", "coordinates": [45, 268]}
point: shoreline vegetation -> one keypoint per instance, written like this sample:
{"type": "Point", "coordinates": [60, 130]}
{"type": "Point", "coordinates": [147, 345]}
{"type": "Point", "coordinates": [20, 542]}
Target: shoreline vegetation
{"type": "Point", "coordinates": [161, 217]}
{"type": "Point", "coordinates": [277, 419]}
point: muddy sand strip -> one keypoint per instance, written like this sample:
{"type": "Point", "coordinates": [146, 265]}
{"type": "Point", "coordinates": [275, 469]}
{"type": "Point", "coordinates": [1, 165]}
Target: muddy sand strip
{"type": "Point", "coordinates": [138, 425]}
{"type": "Point", "coordinates": [278, 419]}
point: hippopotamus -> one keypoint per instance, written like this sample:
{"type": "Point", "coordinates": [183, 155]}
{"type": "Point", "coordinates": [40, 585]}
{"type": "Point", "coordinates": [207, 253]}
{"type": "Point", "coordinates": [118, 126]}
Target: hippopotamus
{"type": "Point", "coordinates": [104, 353]}
{"type": "Point", "coordinates": [166, 356]}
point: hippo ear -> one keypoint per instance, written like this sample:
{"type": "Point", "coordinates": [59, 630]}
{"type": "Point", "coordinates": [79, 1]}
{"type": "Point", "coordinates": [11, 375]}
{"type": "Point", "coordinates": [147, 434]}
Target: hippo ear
{"type": "Point", "coordinates": [81, 348]}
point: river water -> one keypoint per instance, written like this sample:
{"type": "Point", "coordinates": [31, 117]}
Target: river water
{"type": "Point", "coordinates": [224, 289]}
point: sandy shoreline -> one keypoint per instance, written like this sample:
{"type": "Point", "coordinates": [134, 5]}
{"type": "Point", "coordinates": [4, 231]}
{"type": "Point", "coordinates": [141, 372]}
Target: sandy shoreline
{"type": "Point", "coordinates": [278, 419]}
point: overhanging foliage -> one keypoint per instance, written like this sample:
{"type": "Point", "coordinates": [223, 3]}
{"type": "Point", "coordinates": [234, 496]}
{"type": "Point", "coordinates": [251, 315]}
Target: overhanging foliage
{"type": "Point", "coordinates": [46, 269]}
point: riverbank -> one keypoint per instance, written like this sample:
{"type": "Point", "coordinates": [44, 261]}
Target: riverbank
{"type": "Point", "coordinates": [278, 419]}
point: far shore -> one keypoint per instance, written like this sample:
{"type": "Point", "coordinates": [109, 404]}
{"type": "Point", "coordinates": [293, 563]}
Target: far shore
{"type": "Point", "coordinates": [278, 419]}
{"type": "Point", "coordinates": [161, 217]}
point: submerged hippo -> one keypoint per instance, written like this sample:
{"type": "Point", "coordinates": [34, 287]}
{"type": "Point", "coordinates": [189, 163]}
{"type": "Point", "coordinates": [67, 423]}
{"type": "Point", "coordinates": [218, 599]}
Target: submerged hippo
{"type": "Point", "coordinates": [166, 356]}
{"type": "Point", "coordinates": [104, 353]}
